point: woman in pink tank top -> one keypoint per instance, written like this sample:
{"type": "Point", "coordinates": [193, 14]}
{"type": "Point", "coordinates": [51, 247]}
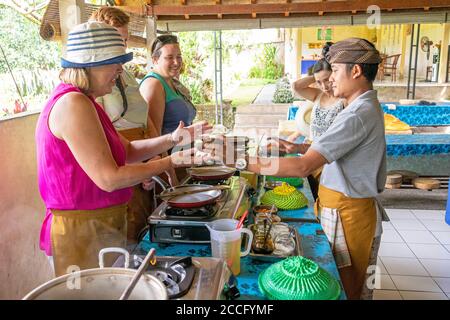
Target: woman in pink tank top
{"type": "Point", "coordinates": [85, 168]}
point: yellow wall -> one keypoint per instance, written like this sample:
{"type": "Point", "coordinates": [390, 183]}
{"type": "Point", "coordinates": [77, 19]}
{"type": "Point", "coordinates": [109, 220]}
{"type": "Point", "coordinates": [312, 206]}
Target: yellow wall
{"type": "Point", "coordinates": [434, 32]}
{"type": "Point", "coordinates": [309, 35]}
{"type": "Point", "coordinates": [389, 39]}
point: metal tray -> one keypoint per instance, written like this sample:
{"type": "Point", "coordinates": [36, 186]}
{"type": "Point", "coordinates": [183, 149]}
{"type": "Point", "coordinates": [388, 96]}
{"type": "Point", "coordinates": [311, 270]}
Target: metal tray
{"type": "Point", "coordinates": [298, 251]}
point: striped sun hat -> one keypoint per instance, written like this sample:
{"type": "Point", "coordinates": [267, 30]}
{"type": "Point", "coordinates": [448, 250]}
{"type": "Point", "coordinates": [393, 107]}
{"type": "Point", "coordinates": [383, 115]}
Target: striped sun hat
{"type": "Point", "coordinates": [94, 44]}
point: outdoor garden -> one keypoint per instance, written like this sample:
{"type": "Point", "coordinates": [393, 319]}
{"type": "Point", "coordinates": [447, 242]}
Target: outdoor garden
{"type": "Point", "coordinates": [29, 66]}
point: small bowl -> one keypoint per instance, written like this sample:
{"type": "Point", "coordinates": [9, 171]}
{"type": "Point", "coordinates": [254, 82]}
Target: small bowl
{"type": "Point", "coordinates": [264, 209]}
{"type": "Point", "coordinates": [269, 185]}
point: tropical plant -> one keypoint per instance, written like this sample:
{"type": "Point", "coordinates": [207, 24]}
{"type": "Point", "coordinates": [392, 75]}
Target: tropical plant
{"type": "Point", "coordinates": [267, 67]}
{"type": "Point", "coordinates": [283, 92]}
{"type": "Point", "coordinates": [194, 63]}
{"type": "Point", "coordinates": [22, 44]}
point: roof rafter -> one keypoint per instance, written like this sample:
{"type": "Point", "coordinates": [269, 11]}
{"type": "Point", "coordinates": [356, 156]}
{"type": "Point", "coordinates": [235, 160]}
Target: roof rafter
{"type": "Point", "coordinates": [281, 8]}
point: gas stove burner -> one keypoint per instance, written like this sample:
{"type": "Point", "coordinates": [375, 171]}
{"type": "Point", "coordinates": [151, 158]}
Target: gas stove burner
{"type": "Point", "coordinates": [176, 275]}
{"type": "Point", "coordinates": [204, 212]}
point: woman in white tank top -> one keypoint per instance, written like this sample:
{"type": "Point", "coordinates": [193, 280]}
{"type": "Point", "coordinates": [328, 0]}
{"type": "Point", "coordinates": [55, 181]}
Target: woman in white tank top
{"type": "Point", "coordinates": [325, 109]}
{"type": "Point", "coordinates": [326, 106]}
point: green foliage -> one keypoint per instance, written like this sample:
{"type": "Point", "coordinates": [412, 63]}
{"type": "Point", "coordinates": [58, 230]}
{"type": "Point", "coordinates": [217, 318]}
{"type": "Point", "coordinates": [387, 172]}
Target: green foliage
{"type": "Point", "coordinates": [23, 46]}
{"type": "Point", "coordinates": [207, 112]}
{"type": "Point", "coordinates": [194, 64]}
{"type": "Point", "coordinates": [267, 67]}
{"type": "Point", "coordinates": [34, 82]}
{"type": "Point", "coordinates": [283, 92]}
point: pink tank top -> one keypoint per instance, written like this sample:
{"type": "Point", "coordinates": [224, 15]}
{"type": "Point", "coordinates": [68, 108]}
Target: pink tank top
{"type": "Point", "coordinates": [63, 184]}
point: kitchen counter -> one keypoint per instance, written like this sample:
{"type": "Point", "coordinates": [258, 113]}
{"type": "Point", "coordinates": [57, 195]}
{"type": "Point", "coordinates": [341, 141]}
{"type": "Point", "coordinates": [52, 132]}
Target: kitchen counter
{"type": "Point", "coordinates": [313, 242]}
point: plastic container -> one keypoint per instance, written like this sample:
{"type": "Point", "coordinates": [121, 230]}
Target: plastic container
{"type": "Point", "coordinates": [226, 242]}
{"type": "Point", "coordinates": [293, 181]}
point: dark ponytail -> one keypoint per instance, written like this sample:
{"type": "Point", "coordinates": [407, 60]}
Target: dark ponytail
{"type": "Point", "coordinates": [322, 64]}
{"type": "Point", "coordinates": [326, 48]}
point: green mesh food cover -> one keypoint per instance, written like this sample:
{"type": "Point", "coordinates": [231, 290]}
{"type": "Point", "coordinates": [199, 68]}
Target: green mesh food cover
{"type": "Point", "coordinates": [285, 197]}
{"type": "Point", "coordinates": [298, 278]}
{"type": "Point", "coordinates": [293, 181]}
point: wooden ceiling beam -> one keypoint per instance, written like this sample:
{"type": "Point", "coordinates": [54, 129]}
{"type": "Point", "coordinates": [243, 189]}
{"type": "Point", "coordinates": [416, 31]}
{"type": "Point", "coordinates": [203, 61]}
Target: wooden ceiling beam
{"type": "Point", "coordinates": [304, 7]}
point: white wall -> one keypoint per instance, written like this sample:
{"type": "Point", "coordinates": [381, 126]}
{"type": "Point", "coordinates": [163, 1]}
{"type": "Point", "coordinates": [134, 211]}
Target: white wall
{"type": "Point", "coordinates": [23, 266]}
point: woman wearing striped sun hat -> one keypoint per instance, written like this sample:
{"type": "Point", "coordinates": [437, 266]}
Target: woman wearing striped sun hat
{"type": "Point", "coordinates": [84, 170]}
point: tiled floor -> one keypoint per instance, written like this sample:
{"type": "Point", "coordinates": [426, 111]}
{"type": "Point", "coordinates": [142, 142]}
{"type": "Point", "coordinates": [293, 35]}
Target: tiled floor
{"type": "Point", "coordinates": [414, 256]}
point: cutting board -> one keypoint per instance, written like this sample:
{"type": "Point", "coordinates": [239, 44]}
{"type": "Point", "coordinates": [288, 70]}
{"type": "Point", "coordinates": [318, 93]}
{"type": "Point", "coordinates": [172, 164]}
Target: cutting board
{"type": "Point", "coordinates": [407, 176]}
{"type": "Point", "coordinates": [426, 183]}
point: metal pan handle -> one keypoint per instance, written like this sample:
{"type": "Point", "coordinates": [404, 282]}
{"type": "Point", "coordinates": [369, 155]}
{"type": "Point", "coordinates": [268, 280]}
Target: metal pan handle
{"type": "Point", "coordinates": [101, 260]}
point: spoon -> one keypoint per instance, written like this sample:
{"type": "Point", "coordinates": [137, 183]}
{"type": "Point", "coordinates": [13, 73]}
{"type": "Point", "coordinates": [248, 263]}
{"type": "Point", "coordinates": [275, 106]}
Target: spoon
{"type": "Point", "coordinates": [126, 294]}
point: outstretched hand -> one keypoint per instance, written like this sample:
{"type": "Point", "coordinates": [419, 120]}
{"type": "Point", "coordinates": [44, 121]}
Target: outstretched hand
{"type": "Point", "coordinates": [191, 157]}
{"type": "Point", "coordinates": [185, 135]}
{"type": "Point", "coordinates": [283, 146]}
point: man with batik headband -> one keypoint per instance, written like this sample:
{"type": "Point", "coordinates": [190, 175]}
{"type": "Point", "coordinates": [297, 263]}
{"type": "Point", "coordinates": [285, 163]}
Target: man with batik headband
{"type": "Point", "coordinates": [353, 150]}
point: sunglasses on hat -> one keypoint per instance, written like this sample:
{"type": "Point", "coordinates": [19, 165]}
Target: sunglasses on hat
{"type": "Point", "coordinates": [160, 41]}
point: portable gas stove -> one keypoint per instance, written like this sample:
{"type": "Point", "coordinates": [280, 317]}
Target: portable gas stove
{"type": "Point", "coordinates": [190, 278]}
{"type": "Point", "coordinates": [171, 225]}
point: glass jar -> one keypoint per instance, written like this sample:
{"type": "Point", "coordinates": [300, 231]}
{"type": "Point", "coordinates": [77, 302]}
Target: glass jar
{"type": "Point", "coordinates": [262, 237]}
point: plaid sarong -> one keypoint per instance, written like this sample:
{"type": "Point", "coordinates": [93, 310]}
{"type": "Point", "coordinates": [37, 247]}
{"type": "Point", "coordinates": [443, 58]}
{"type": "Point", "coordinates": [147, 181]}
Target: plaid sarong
{"type": "Point", "coordinates": [332, 226]}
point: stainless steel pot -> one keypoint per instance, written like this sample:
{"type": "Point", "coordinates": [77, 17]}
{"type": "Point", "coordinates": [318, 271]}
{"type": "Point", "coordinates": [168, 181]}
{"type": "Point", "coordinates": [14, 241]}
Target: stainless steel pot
{"type": "Point", "coordinates": [100, 284]}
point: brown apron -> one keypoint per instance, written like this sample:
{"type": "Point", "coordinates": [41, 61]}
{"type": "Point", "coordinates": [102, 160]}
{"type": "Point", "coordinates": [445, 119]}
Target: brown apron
{"type": "Point", "coordinates": [358, 218]}
{"type": "Point", "coordinates": [140, 206]}
{"type": "Point", "coordinates": [134, 133]}
{"type": "Point", "coordinates": [78, 235]}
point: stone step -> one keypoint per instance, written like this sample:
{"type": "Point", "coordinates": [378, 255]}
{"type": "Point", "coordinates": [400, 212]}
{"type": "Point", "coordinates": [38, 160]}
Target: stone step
{"type": "Point", "coordinates": [263, 109]}
{"type": "Point", "coordinates": [255, 132]}
{"type": "Point", "coordinates": [258, 119]}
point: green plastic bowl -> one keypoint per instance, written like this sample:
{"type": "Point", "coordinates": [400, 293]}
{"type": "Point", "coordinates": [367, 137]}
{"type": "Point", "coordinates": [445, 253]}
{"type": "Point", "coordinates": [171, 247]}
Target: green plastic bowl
{"type": "Point", "coordinates": [298, 278]}
{"type": "Point", "coordinates": [293, 181]}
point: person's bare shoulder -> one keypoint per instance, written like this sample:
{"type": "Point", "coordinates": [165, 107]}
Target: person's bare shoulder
{"type": "Point", "coordinates": [152, 84]}
{"type": "Point", "coordinates": [72, 101]}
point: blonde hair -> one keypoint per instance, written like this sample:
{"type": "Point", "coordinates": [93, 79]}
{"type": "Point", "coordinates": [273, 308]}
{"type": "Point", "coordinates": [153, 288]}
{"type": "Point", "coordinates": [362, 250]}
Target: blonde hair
{"type": "Point", "coordinates": [112, 16]}
{"type": "Point", "coordinates": [77, 77]}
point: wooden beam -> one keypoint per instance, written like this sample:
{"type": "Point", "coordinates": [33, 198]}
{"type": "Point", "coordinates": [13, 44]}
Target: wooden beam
{"type": "Point", "coordinates": [186, 16]}
{"type": "Point", "coordinates": [286, 14]}
{"type": "Point", "coordinates": [320, 13]}
{"type": "Point", "coordinates": [303, 7]}
{"type": "Point", "coordinates": [219, 16]}
{"type": "Point", "coordinates": [253, 15]}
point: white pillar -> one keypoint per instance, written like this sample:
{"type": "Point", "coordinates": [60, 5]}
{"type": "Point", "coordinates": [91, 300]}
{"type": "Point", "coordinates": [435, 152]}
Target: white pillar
{"type": "Point", "coordinates": [151, 35]}
{"type": "Point", "coordinates": [70, 14]}
{"type": "Point", "coordinates": [291, 54]}
{"type": "Point", "coordinates": [444, 53]}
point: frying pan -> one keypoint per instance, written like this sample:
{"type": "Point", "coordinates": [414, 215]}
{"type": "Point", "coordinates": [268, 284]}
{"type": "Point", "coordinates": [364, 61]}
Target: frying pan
{"type": "Point", "coordinates": [211, 173]}
{"type": "Point", "coordinates": [191, 200]}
